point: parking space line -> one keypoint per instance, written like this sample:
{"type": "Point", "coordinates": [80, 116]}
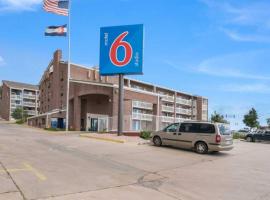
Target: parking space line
{"type": "Point", "coordinates": [28, 168]}
{"type": "Point", "coordinates": [35, 171]}
{"type": "Point", "coordinates": [12, 170]}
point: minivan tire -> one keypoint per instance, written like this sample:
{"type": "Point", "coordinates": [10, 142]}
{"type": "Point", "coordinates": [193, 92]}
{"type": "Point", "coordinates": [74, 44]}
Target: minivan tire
{"type": "Point", "coordinates": [201, 148]}
{"type": "Point", "coordinates": [157, 141]}
{"type": "Point", "coordinates": [249, 139]}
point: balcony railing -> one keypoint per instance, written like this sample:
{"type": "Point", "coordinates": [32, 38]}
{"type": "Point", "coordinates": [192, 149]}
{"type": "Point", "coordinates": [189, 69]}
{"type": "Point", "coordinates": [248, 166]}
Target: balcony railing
{"type": "Point", "coordinates": [142, 117]}
{"type": "Point", "coordinates": [143, 105]}
{"type": "Point", "coordinates": [168, 108]}
{"type": "Point", "coordinates": [15, 105]}
{"type": "Point", "coordinates": [183, 111]}
{"type": "Point", "coordinates": [168, 98]}
{"type": "Point", "coordinates": [179, 119]}
{"type": "Point", "coordinates": [167, 119]}
{"type": "Point", "coordinates": [31, 112]}
{"type": "Point", "coordinates": [29, 96]}
{"type": "Point", "coordinates": [184, 101]}
{"type": "Point", "coordinates": [30, 104]}
{"type": "Point", "coordinates": [204, 107]}
{"type": "Point", "coordinates": [17, 97]}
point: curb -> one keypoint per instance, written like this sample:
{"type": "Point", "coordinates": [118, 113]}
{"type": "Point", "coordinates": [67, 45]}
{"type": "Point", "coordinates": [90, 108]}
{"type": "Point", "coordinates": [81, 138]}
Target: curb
{"type": "Point", "coordinates": [103, 139]}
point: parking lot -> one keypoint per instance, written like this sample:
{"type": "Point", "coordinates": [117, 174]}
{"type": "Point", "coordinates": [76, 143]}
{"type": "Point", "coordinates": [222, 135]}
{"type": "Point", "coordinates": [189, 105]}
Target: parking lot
{"type": "Point", "coordinates": [35, 164]}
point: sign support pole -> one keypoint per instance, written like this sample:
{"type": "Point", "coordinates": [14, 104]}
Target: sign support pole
{"type": "Point", "coordinates": [120, 104]}
{"type": "Point", "coordinates": [68, 67]}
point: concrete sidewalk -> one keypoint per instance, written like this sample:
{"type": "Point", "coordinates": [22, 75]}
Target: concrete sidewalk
{"type": "Point", "coordinates": [114, 138]}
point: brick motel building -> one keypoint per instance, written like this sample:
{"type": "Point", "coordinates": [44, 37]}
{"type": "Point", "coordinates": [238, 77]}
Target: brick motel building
{"type": "Point", "coordinates": [94, 101]}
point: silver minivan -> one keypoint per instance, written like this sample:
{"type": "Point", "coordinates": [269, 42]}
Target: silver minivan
{"type": "Point", "coordinates": [203, 137]}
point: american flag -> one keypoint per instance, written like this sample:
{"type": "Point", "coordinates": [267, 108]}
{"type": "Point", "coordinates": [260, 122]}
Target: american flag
{"type": "Point", "coordinates": [59, 7]}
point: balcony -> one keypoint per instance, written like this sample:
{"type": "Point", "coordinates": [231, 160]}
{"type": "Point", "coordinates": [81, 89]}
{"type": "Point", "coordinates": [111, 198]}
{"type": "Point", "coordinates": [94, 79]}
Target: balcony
{"type": "Point", "coordinates": [142, 117]}
{"type": "Point", "coordinates": [179, 119]}
{"type": "Point", "coordinates": [143, 105]}
{"type": "Point", "coordinates": [167, 119]}
{"type": "Point", "coordinates": [168, 108]}
{"type": "Point", "coordinates": [168, 98]}
{"type": "Point", "coordinates": [31, 112]}
{"type": "Point", "coordinates": [204, 107]}
{"type": "Point", "coordinates": [29, 104]}
{"type": "Point", "coordinates": [16, 97]}
{"type": "Point", "coordinates": [184, 101]}
{"type": "Point", "coordinates": [29, 96]}
{"type": "Point", "coordinates": [183, 111]}
{"type": "Point", "coordinates": [15, 105]}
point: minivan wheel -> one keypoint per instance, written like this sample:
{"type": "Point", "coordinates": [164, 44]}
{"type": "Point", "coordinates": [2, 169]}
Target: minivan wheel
{"type": "Point", "coordinates": [201, 148]}
{"type": "Point", "coordinates": [249, 139]}
{"type": "Point", "coordinates": [157, 141]}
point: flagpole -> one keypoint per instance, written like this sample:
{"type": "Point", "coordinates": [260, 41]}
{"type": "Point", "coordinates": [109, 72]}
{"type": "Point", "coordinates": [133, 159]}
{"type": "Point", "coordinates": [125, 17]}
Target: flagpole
{"type": "Point", "coordinates": [69, 59]}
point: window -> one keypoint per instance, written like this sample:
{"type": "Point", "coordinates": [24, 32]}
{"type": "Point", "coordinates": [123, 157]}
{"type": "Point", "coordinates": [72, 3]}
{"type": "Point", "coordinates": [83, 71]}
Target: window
{"type": "Point", "coordinates": [206, 128]}
{"type": "Point", "coordinates": [197, 128]}
{"type": "Point", "coordinates": [224, 129]}
{"type": "Point", "coordinates": [136, 125]}
{"type": "Point", "coordinates": [171, 128]}
{"type": "Point", "coordinates": [187, 128]}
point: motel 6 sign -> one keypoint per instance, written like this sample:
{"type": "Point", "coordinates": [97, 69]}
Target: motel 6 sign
{"type": "Point", "coordinates": [121, 50]}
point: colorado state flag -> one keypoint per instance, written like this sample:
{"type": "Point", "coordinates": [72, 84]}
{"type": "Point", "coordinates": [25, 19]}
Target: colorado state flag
{"type": "Point", "coordinates": [56, 31]}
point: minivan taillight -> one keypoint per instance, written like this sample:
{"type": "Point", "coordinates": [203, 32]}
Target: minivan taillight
{"type": "Point", "coordinates": [218, 138]}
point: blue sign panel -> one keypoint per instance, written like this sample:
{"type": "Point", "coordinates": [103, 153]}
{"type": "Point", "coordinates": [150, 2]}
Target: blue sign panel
{"type": "Point", "coordinates": [121, 50]}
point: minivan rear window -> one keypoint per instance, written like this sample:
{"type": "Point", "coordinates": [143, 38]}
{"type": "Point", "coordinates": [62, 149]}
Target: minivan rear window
{"type": "Point", "coordinates": [224, 129]}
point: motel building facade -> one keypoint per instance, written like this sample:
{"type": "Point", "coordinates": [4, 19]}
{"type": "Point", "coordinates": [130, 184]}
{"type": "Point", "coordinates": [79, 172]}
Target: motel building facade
{"type": "Point", "coordinates": [93, 101]}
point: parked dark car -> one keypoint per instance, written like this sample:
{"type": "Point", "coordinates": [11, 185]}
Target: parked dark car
{"type": "Point", "coordinates": [258, 136]}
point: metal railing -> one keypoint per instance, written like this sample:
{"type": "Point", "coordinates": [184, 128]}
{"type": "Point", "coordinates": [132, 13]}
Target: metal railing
{"type": "Point", "coordinates": [143, 105]}
{"type": "Point", "coordinates": [168, 98]}
{"type": "Point", "coordinates": [15, 105]}
{"type": "Point", "coordinates": [167, 119]}
{"type": "Point", "coordinates": [143, 117]}
{"type": "Point", "coordinates": [31, 112]}
{"type": "Point", "coordinates": [183, 111]}
{"type": "Point", "coordinates": [29, 96]}
{"type": "Point", "coordinates": [30, 104]}
{"type": "Point", "coordinates": [15, 96]}
{"type": "Point", "coordinates": [168, 108]}
{"type": "Point", "coordinates": [184, 101]}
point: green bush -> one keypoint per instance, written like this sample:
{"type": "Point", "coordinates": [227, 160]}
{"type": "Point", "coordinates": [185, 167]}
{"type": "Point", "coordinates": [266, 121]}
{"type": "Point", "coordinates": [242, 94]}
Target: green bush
{"type": "Point", "coordinates": [145, 134]}
{"type": "Point", "coordinates": [53, 129]}
{"type": "Point", "coordinates": [238, 136]}
{"type": "Point", "coordinates": [20, 121]}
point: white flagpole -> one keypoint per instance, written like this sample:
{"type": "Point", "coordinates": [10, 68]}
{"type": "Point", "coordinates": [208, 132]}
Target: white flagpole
{"type": "Point", "coordinates": [68, 69]}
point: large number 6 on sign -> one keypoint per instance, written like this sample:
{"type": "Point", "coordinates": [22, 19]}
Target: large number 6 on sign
{"type": "Point", "coordinates": [118, 42]}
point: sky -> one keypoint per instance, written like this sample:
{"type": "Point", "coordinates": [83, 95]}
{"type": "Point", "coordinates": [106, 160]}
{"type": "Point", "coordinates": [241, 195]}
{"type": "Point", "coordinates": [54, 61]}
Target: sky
{"type": "Point", "coordinates": [214, 48]}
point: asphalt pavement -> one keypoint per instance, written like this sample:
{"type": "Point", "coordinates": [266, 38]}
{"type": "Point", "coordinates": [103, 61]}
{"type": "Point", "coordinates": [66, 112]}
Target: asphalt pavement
{"type": "Point", "coordinates": [36, 164]}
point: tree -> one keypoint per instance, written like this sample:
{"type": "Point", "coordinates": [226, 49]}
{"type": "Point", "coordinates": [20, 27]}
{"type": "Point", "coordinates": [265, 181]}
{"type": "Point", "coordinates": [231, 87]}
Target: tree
{"type": "Point", "coordinates": [1, 92]}
{"type": "Point", "coordinates": [218, 118]}
{"type": "Point", "coordinates": [251, 119]}
{"type": "Point", "coordinates": [268, 122]}
{"type": "Point", "coordinates": [19, 114]}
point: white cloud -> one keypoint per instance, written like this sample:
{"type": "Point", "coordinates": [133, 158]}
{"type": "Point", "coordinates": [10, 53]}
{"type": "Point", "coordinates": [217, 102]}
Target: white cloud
{"type": "Point", "coordinates": [235, 35]}
{"type": "Point", "coordinates": [249, 21]}
{"type": "Point", "coordinates": [244, 65]}
{"type": "Point", "coordinates": [19, 5]}
{"type": "Point", "coordinates": [238, 65]}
